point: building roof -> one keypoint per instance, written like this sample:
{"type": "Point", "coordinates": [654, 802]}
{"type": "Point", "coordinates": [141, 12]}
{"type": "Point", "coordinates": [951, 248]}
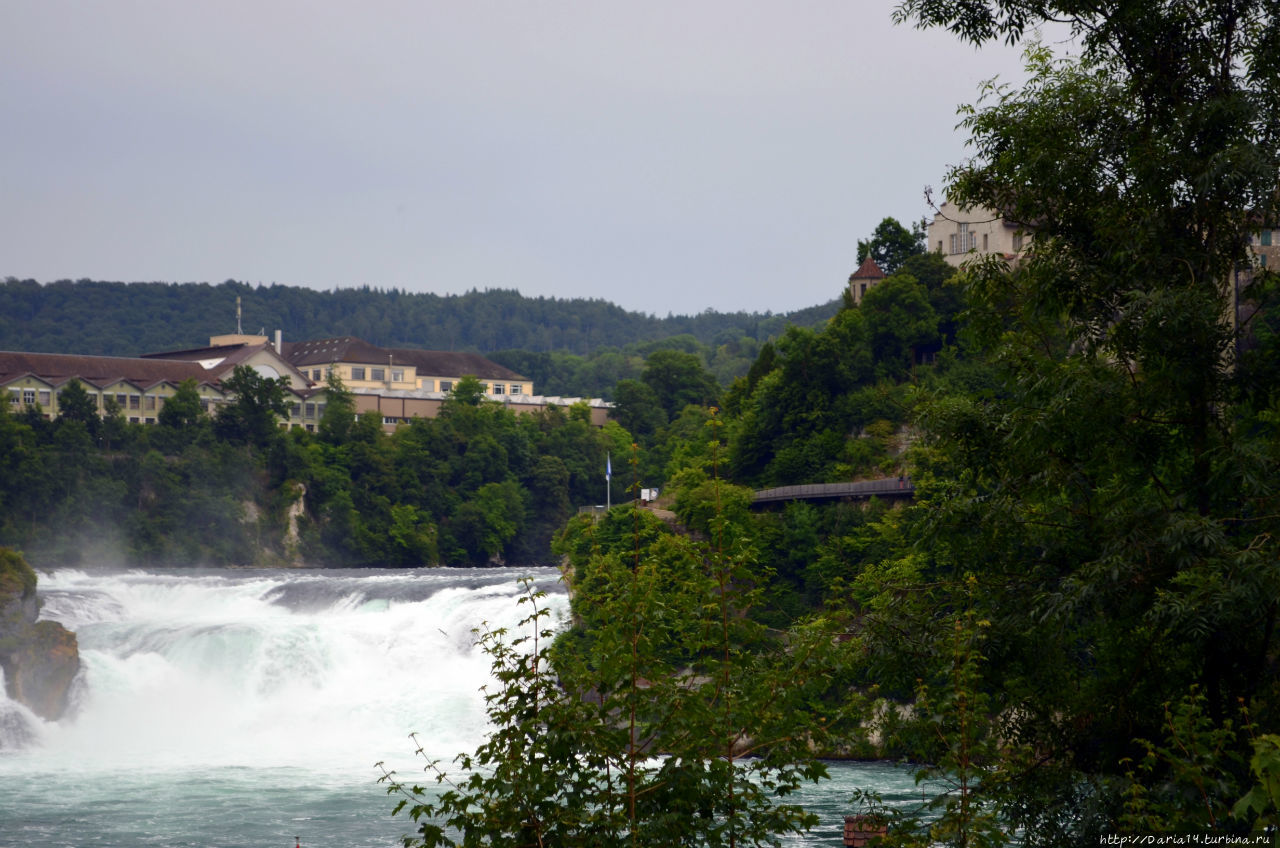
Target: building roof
{"type": "Point", "coordinates": [443, 363]}
{"type": "Point", "coordinates": [324, 351]}
{"type": "Point", "coordinates": [868, 270]}
{"type": "Point", "coordinates": [220, 357]}
{"type": "Point", "coordinates": [58, 368]}
{"type": "Point", "coordinates": [436, 363]}
{"type": "Point", "coordinates": [210, 364]}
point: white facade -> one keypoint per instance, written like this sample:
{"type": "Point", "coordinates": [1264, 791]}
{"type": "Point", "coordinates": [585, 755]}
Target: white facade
{"type": "Point", "coordinates": [960, 234]}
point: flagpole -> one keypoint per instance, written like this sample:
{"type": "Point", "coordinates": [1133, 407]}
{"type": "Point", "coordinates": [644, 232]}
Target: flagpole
{"type": "Point", "coordinates": [608, 477]}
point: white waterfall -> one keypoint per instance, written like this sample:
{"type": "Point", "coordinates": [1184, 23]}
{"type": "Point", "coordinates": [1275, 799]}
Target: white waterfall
{"type": "Point", "coordinates": [271, 668]}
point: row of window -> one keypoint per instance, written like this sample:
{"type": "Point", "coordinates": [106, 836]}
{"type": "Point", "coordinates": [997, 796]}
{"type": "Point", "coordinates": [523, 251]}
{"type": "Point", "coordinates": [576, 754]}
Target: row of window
{"type": "Point", "coordinates": [963, 241]}
{"type": "Point", "coordinates": [378, 375]}
{"type": "Point", "coordinates": [494, 389]}
{"type": "Point", "coordinates": [501, 389]}
{"type": "Point", "coordinates": [307, 410]}
{"type": "Point", "coordinates": [42, 397]}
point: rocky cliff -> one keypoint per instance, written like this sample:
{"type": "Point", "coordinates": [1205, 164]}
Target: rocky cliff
{"type": "Point", "coordinates": [40, 659]}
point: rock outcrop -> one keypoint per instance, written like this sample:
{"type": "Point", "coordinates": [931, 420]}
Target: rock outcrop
{"type": "Point", "coordinates": [40, 658]}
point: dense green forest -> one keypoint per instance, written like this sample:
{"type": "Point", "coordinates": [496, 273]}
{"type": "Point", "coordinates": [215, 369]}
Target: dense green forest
{"type": "Point", "coordinates": [128, 319]}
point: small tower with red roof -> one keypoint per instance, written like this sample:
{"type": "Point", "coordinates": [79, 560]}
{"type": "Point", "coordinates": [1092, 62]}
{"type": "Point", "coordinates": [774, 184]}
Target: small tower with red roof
{"type": "Point", "coordinates": [862, 280]}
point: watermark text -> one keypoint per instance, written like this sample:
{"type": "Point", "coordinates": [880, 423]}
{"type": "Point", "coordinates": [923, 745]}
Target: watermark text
{"type": "Point", "coordinates": [1184, 839]}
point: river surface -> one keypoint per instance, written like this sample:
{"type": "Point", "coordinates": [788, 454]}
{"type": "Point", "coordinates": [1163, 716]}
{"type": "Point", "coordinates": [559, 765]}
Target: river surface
{"type": "Point", "coordinates": [248, 708]}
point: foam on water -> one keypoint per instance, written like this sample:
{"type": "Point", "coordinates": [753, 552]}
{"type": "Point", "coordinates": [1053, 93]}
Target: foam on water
{"type": "Point", "coordinates": [243, 708]}
{"type": "Point", "coordinates": [271, 669]}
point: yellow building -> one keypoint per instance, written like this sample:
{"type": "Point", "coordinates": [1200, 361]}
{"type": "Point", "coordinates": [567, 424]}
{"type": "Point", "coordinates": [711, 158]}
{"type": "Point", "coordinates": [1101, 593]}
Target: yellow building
{"type": "Point", "coordinates": [397, 384]}
{"type": "Point", "coordinates": [366, 367]}
{"type": "Point", "coordinates": [138, 386]}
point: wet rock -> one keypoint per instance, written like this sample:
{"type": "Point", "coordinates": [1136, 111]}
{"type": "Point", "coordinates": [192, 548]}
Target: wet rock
{"type": "Point", "coordinates": [40, 658]}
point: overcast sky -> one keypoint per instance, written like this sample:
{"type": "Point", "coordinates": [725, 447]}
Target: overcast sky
{"type": "Point", "coordinates": [665, 156]}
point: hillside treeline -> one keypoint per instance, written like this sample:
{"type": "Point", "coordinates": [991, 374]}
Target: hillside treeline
{"type": "Point", "coordinates": [128, 319]}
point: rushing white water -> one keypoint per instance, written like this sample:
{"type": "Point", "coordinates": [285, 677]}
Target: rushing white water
{"type": "Point", "coordinates": [244, 708]}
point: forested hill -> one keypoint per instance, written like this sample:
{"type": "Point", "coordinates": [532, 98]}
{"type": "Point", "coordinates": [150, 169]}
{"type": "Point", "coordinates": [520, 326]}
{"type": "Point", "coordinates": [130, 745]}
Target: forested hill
{"type": "Point", "coordinates": [125, 319]}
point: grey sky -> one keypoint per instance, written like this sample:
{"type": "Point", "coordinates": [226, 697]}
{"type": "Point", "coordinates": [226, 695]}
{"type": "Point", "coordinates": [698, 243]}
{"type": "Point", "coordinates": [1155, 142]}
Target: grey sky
{"type": "Point", "coordinates": [663, 156]}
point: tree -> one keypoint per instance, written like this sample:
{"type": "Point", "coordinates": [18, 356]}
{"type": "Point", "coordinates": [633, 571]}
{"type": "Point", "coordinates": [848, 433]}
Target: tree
{"type": "Point", "coordinates": [114, 427]}
{"type": "Point", "coordinates": [489, 519]}
{"type": "Point", "coordinates": [664, 660]}
{"type": "Point", "coordinates": [637, 408]}
{"type": "Point", "coordinates": [468, 391]}
{"type": "Point", "coordinates": [946, 295]}
{"type": "Point", "coordinates": [251, 417]}
{"type": "Point", "coordinates": [339, 410]}
{"type": "Point", "coordinates": [799, 413]}
{"type": "Point", "coordinates": [678, 379]}
{"type": "Point", "coordinates": [182, 410]}
{"type": "Point", "coordinates": [74, 404]}
{"type": "Point", "coordinates": [900, 321]}
{"type": "Point", "coordinates": [1106, 520]}
{"type": "Point", "coordinates": [892, 244]}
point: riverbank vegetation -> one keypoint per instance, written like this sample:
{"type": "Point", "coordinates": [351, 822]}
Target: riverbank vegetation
{"type": "Point", "coordinates": [475, 486]}
{"type": "Point", "coordinates": [1073, 627]}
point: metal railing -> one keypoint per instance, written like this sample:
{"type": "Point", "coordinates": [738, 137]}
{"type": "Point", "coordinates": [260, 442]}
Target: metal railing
{"type": "Point", "coordinates": [887, 488]}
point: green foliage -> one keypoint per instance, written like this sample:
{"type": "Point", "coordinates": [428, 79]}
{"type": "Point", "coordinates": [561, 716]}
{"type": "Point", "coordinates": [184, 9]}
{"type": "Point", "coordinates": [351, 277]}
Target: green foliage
{"type": "Point", "coordinates": [1192, 776]}
{"type": "Point", "coordinates": [1111, 490]}
{"type": "Point", "coordinates": [900, 321]}
{"type": "Point", "coordinates": [339, 411]}
{"type": "Point", "coordinates": [468, 391]}
{"type": "Point", "coordinates": [74, 404]}
{"type": "Point", "coordinates": [702, 504]}
{"type": "Point", "coordinates": [1262, 803]}
{"type": "Point", "coordinates": [114, 430]}
{"type": "Point", "coordinates": [798, 416]}
{"type": "Point", "coordinates": [250, 418]}
{"type": "Point", "coordinates": [664, 718]}
{"type": "Point", "coordinates": [489, 520]}
{"type": "Point", "coordinates": [964, 748]}
{"type": "Point", "coordinates": [892, 244]}
{"type": "Point", "coordinates": [638, 408]}
{"type": "Point", "coordinates": [477, 485]}
{"type": "Point", "coordinates": [946, 295]}
{"type": "Point", "coordinates": [182, 410]}
{"type": "Point", "coordinates": [16, 576]}
{"type": "Point", "coordinates": [92, 317]}
{"type": "Point", "coordinates": [678, 380]}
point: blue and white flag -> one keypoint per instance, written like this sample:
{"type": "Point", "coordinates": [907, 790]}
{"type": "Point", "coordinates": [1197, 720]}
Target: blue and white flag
{"type": "Point", "coordinates": [608, 466]}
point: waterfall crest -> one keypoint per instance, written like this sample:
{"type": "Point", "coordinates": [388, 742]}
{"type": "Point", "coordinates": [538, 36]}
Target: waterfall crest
{"type": "Point", "coordinates": [270, 668]}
